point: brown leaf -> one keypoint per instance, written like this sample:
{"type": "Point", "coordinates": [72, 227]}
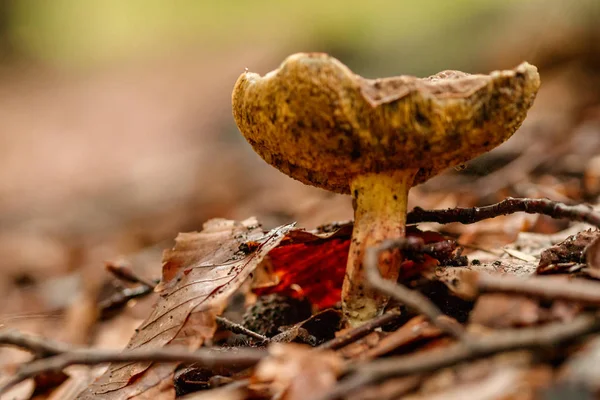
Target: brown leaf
{"type": "Point", "coordinates": [231, 392]}
{"type": "Point", "coordinates": [505, 311]}
{"type": "Point", "coordinates": [297, 372]}
{"type": "Point", "coordinates": [357, 348]}
{"type": "Point", "coordinates": [199, 274]}
{"type": "Point", "coordinates": [391, 389]}
{"type": "Point", "coordinates": [592, 256]}
{"type": "Point", "coordinates": [415, 330]}
{"type": "Point", "coordinates": [569, 251]}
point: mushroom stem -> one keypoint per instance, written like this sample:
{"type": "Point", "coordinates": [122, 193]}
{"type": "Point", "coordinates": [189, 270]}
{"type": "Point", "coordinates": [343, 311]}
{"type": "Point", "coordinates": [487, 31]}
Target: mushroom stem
{"type": "Point", "coordinates": [379, 201]}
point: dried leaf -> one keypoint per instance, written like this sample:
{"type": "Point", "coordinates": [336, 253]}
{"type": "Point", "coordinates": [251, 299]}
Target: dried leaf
{"type": "Point", "coordinates": [582, 368]}
{"type": "Point", "coordinates": [570, 250]}
{"type": "Point", "coordinates": [225, 393]}
{"type": "Point", "coordinates": [297, 372]}
{"type": "Point", "coordinates": [505, 311]}
{"type": "Point", "coordinates": [499, 385]}
{"type": "Point", "coordinates": [415, 330]}
{"type": "Point", "coordinates": [391, 389]}
{"type": "Point", "coordinates": [199, 274]}
{"type": "Point", "coordinates": [592, 256]}
{"type": "Point", "coordinates": [357, 348]}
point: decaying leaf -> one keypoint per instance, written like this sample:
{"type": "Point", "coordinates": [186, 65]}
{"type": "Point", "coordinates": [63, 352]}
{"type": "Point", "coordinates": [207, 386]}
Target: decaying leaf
{"type": "Point", "coordinates": [199, 274]}
{"type": "Point", "coordinates": [415, 330]}
{"type": "Point", "coordinates": [391, 389]}
{"type": "Point", "coordinates": [505, 311]}
{"type": "Point", "coordinates": [592, 256]}
{"type": "Point", "coordinates": [569, 251]}
{"type": "Point", "coordinates": [296, 372]}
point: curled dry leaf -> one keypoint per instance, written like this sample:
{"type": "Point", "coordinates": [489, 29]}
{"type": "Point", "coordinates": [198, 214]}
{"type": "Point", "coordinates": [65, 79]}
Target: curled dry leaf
{"type": "Point", "coordinates": [199, 275]}
{"type": "Point", "coordinates": [295, 372]}
{"type": "Point", "coordinates": [572, 251]}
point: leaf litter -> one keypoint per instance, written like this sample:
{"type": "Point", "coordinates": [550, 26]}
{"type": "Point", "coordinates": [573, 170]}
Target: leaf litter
{"type": "Point", "coordinates": [206, 272]}
{"type": "Point", "coordinates": [199, 274]}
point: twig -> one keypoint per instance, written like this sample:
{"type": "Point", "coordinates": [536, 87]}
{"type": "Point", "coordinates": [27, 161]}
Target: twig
{"type": "Point", "coordinates": [120, 298]}
{"type": "Point", "coordinates": [359, 332]}
{"type": "Point", "coordinates": [550, 288]}
{"type": "Point", "coordinates": [411, 298]}
{"type": "Point", "coordinates": [511, 205]}
{"type": "Point", "coordinates": [122, 270]}
{"type": "Point", "coordinates": [39, 346]}
{"type": "Point", "coordinates": [508, 340]}
{"type": "Point", "coordinates": [240, 329]}
{"type": "Point", "coordinates": [209, 358]}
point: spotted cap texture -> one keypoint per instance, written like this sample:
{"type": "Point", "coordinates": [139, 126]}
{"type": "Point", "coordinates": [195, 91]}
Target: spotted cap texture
{"type": "Point", "coordinates": [318, 122]}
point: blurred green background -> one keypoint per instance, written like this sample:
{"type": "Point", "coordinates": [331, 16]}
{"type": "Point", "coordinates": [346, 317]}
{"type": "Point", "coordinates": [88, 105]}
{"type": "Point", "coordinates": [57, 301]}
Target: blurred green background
{"type": "Point", "coordinates": [414, 36]}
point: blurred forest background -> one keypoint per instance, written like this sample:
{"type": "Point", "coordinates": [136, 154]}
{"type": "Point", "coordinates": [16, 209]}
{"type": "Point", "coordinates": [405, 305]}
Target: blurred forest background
{"type": "Point", "coordinates": [116, 129]}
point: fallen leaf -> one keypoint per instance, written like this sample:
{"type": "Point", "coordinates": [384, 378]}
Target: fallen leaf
{"type": "Point", "coordinates": [391, 389]}
{"type": "Point", "coordinates": [570, 250]}
{"type": "Point", "coordinates": [415, 330]}
{"type": "Point", "coordinates": [297, 372]}
{"type": "Point", "coordinates": [312, 265]}
{"type": "Point", "coordinates": [501, 384]}
{"type": "Point", "coordinates": [199, 275]}
{"type": "Point", "coordinates": [592, 256]}
{"type": "Point", "coordinates": [505, 311]}
{"type": "Point", "coordinates": [224, 393]}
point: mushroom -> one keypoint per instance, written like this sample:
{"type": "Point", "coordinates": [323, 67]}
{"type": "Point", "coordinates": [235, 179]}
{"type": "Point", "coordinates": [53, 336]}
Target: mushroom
{"type": "Point", "coordinates": [318, 122]}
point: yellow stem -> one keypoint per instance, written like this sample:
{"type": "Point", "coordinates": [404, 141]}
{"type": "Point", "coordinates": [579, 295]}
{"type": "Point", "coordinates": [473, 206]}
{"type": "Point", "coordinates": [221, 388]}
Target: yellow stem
{"type": "Point", "coordinates": [379, 201]}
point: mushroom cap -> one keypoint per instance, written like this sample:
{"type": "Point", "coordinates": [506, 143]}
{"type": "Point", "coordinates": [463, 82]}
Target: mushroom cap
{"type": "Point", "coordinates": [318, 122]}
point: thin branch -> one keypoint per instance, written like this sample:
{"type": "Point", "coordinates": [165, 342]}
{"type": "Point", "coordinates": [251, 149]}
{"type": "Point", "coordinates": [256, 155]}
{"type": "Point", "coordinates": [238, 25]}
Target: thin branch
{"type": "Point", "coordinates": [411, 298]}
{"type": "Point", "coordinates": [583, 213]}
{"type": "Point", "coordinates": [240, 329]}
{"type": "Point", "coordinates": [122, 297]}
{"type": "Point", "coordinates": [514, 339]}
{"type": "Point", "coordinates": [209, 358]}
{"type": "Point", "coordinates": [359, 332]}
{"type": "Point", "coordinates": [550, 288]}
{"type": "Point", "coordinates": [122, 270]}
{"type": "Point", "coordinates": [37, 345]}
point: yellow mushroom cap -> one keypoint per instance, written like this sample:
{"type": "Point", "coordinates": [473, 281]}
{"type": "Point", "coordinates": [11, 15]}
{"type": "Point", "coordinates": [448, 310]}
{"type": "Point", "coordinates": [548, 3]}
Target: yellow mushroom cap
{"type": "Point", "coordinates": [318, 122]}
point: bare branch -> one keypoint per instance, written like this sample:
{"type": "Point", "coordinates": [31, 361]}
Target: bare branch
{"type": "Point", "coordinates": [359, 332]}
{"type": "Point", "coordinates": [37, 345]}
{"type": "Point", "coordinates": [240, 329]}
{"type": "Point", "coordinates": [411, 298]}
{"type": "Point", "coordinates": [206, 357]}
{"type": "Point", "coordinates": [423, 362]}
{"type": "Point", "coordinates": [550, 288]}
{"type": "Point", "coordinates": [583, 213]}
